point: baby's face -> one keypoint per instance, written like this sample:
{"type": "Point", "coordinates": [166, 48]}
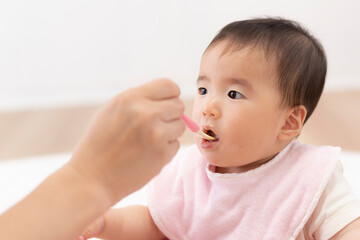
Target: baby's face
{"type": "Point", "coordinates": [239, 103]}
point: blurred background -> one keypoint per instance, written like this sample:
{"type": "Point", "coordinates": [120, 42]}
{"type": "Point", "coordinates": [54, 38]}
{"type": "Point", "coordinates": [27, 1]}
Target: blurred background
{"type": "Point", "coordinates": [60, 60]}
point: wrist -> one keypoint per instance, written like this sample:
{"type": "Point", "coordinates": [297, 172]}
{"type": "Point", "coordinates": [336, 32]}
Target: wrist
{"type": "Point", "coordinates": [93, 189]}
{"type": "Point", "coordinates": [99, 175]}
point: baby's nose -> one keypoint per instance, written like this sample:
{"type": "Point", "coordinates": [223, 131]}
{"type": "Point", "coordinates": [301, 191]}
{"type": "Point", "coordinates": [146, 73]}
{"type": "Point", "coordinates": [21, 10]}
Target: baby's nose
{"type": "Point", "coordinates": [211, 109]}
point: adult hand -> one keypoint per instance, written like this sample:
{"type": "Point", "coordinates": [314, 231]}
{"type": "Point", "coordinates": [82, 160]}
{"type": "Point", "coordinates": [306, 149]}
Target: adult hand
{"type": "Point", "coordinates": [128, 141]}
{"type": "Point", "coordinates": [131, 138]}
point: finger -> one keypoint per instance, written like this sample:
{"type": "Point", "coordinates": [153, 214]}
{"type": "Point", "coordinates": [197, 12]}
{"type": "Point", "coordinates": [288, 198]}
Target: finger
{"type": "Point", "coordinates": [87, 234]}
{"type": "Point", "coordinates": [171, 109]}
{"type": "Point", "coordinates": [94, 229]}
{"type": "Point", "coordinates": [172, 130]}
{"type": "Point", "coordinates": [159, 89]}
{"type": "Point", "coordinates": [172, 147]}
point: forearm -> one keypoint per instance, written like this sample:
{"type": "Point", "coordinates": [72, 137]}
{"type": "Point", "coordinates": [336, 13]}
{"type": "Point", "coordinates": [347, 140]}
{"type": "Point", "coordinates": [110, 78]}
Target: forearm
{"type": "Point", "coordinates": [132, 222]}
{"type": "Point", "coordinates": [352, 235]}
{"type": "Point", "coordinates": [59, 208]}
{"type": "Point", "coordinates": [349, 232]}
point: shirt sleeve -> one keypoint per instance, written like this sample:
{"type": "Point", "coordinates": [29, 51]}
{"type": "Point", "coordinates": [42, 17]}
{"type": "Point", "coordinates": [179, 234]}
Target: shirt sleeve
{"type": "Point", "coordinates": [337, 207]}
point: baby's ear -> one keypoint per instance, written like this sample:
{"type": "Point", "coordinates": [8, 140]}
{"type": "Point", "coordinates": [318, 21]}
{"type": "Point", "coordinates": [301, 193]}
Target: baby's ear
{"type": "Point", "coordinates": [293, 123]}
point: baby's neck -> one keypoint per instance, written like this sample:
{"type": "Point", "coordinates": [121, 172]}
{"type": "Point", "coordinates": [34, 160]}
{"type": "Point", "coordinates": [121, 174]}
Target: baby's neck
{"type": "Point", "coordinates": [244, 168]}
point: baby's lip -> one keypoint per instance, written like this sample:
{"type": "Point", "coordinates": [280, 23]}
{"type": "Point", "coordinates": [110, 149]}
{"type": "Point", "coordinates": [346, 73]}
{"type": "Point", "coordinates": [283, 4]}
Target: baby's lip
{"type": "Point", "coordinates": [210, 132]}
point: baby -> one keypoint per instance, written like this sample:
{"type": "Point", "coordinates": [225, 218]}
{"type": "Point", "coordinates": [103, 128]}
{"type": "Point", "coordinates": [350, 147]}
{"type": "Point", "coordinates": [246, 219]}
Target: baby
{"type": "Point", "coordinates": [259, 82]}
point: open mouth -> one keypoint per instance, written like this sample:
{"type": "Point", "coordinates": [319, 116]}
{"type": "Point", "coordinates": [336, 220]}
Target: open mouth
{"type": "Point", "coordinates": [211, 134]}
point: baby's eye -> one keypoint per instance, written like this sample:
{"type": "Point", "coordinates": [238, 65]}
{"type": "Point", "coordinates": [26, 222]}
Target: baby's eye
{"type": "Point", "coordinates": [202, 91]}
{"type": "Point", "coordinates": [235, 95]}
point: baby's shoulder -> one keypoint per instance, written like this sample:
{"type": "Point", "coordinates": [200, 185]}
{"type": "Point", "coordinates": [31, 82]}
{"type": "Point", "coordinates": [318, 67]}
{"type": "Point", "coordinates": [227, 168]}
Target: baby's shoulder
{"type": "Point", "coordinates": [336, 208]}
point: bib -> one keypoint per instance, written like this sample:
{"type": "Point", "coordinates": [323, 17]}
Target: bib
{"type": "Point", "coordinates": [187, 200]}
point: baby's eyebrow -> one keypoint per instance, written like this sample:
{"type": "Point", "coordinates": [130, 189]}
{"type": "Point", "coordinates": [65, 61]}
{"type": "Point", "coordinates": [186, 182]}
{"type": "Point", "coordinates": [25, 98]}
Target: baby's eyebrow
{"type": "Point", "coordinates": [240, 81]}
{"type": "Point", "coordinates": [202, 78]}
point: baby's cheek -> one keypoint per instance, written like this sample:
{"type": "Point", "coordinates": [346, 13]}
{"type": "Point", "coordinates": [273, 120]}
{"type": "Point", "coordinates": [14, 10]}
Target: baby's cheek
{"type": "Point", "coordinates": [196, 113]}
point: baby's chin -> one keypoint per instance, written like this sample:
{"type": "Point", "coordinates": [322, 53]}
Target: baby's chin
{"type": "Point", "coordinates": [223, 165]}
{"type": "Point", "coordinates": [217, 161]}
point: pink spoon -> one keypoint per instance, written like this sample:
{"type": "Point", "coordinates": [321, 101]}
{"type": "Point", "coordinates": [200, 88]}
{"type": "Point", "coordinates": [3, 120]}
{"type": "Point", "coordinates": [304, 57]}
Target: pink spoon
{"type": "Point", "coordinates": [195, 128]}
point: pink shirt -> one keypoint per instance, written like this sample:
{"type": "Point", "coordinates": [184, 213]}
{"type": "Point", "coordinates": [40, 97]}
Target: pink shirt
{"type": "Point", "coordinates": [187, 200]}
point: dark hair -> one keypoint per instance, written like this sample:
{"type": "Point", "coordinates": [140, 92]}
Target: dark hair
{"type": "Point", "coordinates": [300, 59]}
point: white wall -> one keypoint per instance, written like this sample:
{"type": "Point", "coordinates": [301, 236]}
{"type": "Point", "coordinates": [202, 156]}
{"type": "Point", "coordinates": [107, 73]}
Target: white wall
{"type": "Point", "coordinates": [73, 51]}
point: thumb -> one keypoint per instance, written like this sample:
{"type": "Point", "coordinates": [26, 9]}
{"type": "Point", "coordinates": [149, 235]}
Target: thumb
{"type": "Point", "coordinates": [93, 229]}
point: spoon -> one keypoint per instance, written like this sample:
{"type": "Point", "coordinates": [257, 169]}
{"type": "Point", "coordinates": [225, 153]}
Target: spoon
{"type": "Point", "coordinates": [195, 128]}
